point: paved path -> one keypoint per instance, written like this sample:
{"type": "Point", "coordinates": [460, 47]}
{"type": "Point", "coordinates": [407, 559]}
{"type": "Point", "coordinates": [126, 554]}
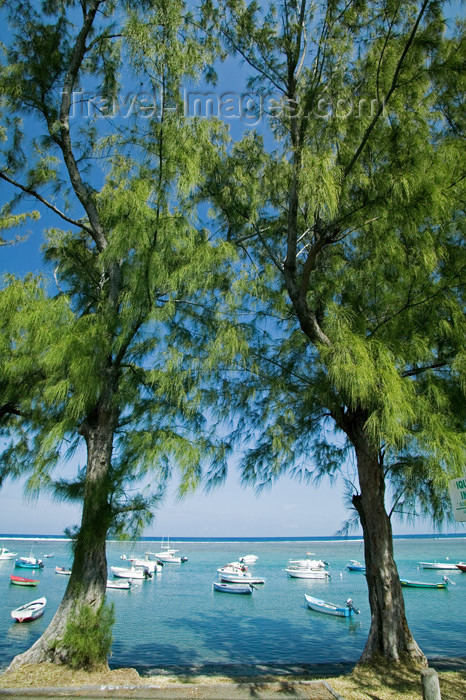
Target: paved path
{"type": "Point", "coordinates": [283, 690]}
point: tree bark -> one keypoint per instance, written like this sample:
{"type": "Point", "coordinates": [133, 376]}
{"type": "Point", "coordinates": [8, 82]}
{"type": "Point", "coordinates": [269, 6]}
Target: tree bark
{"type": "Point", "coordinates": [87, 583]}
{"type": "Point", "coordinates": [389, 635]}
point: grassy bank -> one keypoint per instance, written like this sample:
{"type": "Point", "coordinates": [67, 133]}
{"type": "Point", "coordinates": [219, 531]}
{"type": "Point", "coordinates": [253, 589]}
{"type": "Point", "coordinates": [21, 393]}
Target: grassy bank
{"type": "Point", "coordinates": [381, 682]}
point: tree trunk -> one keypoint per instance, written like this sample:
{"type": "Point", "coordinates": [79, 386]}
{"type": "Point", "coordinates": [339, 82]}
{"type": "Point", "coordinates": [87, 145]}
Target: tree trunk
{"type": "Point", "coordinates": [389, 635]}
{"type": "Point", "coordinates": [87, 583]}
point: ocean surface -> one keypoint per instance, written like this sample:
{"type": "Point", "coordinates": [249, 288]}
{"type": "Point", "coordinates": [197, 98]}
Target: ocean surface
{"type": "Point", "coordinates": [176, 618]}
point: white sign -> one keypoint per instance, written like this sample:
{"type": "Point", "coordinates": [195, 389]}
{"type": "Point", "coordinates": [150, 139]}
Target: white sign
{"type": "Point", "coordinates": [457, 489]}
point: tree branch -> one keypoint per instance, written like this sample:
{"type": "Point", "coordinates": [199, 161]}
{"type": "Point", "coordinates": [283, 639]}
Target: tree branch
{"type": "Point", "coordinates": [50, 206]}
{"type": "Point", "coordinates": [391, 90]}
{"type": "Point", "coordinates": [81, 191]}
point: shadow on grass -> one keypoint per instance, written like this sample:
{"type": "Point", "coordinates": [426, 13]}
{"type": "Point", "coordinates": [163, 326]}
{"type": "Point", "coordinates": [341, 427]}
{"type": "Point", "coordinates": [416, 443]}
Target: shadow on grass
{"type": "Point", "coordinates": [382, 681]}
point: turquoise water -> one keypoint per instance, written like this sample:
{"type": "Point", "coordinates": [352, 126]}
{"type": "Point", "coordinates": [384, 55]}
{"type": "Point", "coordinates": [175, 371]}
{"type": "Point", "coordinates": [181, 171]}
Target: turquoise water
{"type": "Point", "coordinates": [176, 618]}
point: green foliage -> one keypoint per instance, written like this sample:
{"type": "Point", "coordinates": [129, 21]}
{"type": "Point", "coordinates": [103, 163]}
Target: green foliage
{"type": "Point", "coordinates": [133, 266]}
{"type": "Point", "coordinates": [349, 296]}
{"type": "Point", "coordinates": [88, 637]}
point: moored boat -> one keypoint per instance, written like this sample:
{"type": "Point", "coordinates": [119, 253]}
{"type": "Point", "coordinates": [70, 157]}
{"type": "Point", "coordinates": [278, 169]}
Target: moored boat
{"type": "Point", "coordinates": [438, 565]}
{"type": "Point", "coordinates": [354, 565]}
{"type": "Point", "coordinates": [239, 577]}
{"type": "Point", "coordinates": [132, 573]}
{"type": "Point", "coordinates": [462, 566]}
{"type": "Point", "coordinates": [426, 584]}
{"type": "Point", "coordinates": [307, 564]}
{"type": "Point", "coordinates": [6, 555]}
{"type": "Point", "coordinates": [232, 588]}
{"type": "Point", "coordinates": [30, 611]}
{"type": "Point", "coordinates": [308, 573]}
{"type": "Point", "coordinates": [152, 565]}
{"type": "Point", "coordinates": [167, 554]}
{"type": "Point", "coordinates": [20, 581]}
{"type": "Point", "coordinates": [63, 571]}
{"type": "Point", "coordinates": [49, 556]}
{"type": "Point", "coordinates": [248, 559]}
{"type": "Point", "coordinates": [329, 608]}
{"type": "Point", "coordinates": [29, 563]}
{"type": "Point", "coordinates": [119, 585]}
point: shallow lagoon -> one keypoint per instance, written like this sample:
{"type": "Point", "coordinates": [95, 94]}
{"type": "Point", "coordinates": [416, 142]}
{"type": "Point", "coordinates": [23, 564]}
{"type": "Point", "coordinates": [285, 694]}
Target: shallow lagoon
{"type": "Point", "coordinates": [176, 618]}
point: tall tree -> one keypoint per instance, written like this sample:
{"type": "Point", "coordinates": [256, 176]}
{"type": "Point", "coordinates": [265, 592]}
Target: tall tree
{"type": "Point", "coordinates": [350, 223]}
{"type": "Point", "coordinates": [119, 171]}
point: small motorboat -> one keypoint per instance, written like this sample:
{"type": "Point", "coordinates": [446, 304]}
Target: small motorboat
{"type": "Point", "coordinates": [425, 584]}
{"type": "Point", "coordinates": [438, 565]}
{"type": "Point", "coordinates": [119, 585]}
{"type": "Point", "coordinates": [132, 573]}
{"type": "Point", "coordinates": [330, 608]}
{"type": "Point", "coordinates": [308, 573]}
{"type": "Point", "coordinates": [462, 566]}
{"type": "Point", "coordinates": [307, 564]}
{"type": "Point", "coordinates": [29, 563]}
{"type": "Point", "coordinates": [354, 565]}
{"type": "Point", "coordinates": [20, 581]}
{"type": "Point", "coordinates": [152, 565]}
{"type": "Point", "coordinates": [63, 571]}
{"type": "Point", "coordinates": [30, 611]}
{"type": "Point", "coordinates": [5, 554]}
{"type": "Point", "coordinates": [49, 556]}
{"type": "Point", "coordinates": [248, 559]}
{"type": "Point", "coordinates": [167, 554]}
{"type": "Point", "coordinates": [245, 577]}
{"type": "Point", "coordinates": [232, 587]}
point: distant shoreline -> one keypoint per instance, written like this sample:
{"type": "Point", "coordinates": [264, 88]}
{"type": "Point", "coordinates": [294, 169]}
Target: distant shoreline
{"type": "Point", "coordinates": [247, 540]}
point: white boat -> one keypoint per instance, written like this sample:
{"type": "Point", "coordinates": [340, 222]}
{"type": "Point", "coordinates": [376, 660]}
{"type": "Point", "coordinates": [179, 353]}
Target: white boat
{"type": "Point", "coordinates": [49, 556]}
{"type": "Point", "coordinates": [245, 589]}
{"type": "Point", "coordinates": [30, 611]}
{"type": "Point", "coordinates": [308, 573]}
{"type": "Point", "coordinates": [120, 585]}
{"type": "Point", "coordinates": [238, 577]}
{"type": "Point", "coordinates": [307, 564]}
{"type": "Point", "coordinates": [438, 565]}
{"type": "Point", "coordinates": [331, 609]}
{"type": "Point", "coordinates": [233, 566]}
{"type": "Point", "coordinates": [248, 559]}
{"type": "Point", "coordinates": [63, 571]}
{"type": "Point", "coordinates": [153, 566]}
{"type": "Point", "coordinates": [132, 573]}
{"type": "Point", "coordinates": [168, 558]}
{"type": "Point", "coordinates": [167, 554]}
{"type": "Point", "coordinates": [5, 554]}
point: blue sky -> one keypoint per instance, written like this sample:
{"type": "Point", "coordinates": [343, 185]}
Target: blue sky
{"type": "Point", "coordinates": [290, 508]}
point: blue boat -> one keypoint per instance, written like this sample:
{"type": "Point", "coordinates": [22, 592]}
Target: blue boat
{"type": "Point", "coordinates": [355, 566]}
{"type": "Point", "coordinates": [29, 563]}
{"type": "Point", "coordinates": [331, 609]}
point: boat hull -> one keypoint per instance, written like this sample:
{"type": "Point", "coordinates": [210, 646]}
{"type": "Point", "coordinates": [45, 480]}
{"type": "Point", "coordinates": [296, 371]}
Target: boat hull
{"type": "Point", "coordinates": [20, 581]}
{"type": "Point", "coordinates": [308, 574]}
{"type": "Point", "coordinates": [462, 567]}
{"type": "Point", "coordinates": [139, 574]}
{"type": "Point", "coordinates": [227, 577]}
{"type": "Point", "coordinates": [438, 565]}
{"type": "Point", "coordinates": [119, 585]}
{"type": "Point", "coordinates": [31, 564]}
{"type": "Point", "coordinates": [237, 588]}
{"type": "Point", "coordinates": [30, 611]}
{"type": "Point", "coordinates": [328, 608]}
{"type": "Point", "coordinates": [62, 571]}
{"type": "Point", "coordinates": [421, 584]}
